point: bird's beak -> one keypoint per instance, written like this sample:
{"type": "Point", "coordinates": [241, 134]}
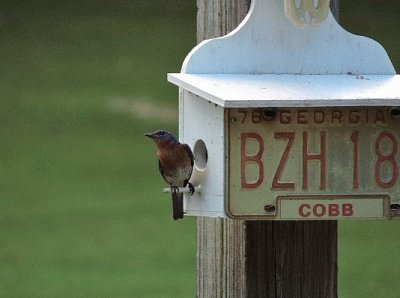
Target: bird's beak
{"type": "Point", "coordinates": [150, 135]}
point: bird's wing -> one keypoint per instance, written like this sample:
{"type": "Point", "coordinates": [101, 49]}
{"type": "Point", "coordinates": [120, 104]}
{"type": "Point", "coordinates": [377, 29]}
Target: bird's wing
{"type": "Point", "coordinates": [189, 151]}
{"type": "Point", "coordinates": [160, 168]}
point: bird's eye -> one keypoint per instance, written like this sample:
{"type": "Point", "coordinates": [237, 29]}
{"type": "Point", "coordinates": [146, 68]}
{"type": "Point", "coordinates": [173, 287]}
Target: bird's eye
{"type": "Point", "coordinates": [162, 132]}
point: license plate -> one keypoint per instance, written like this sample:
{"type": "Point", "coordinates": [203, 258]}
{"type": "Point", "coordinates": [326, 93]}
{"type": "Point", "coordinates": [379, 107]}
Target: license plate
{"type": "Point", "coordinates": [283, 162]}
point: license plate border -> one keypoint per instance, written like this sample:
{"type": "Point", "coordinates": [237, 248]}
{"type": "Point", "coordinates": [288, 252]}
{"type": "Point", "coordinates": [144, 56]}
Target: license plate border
{"type": "Point", "coordinates": [386, 212]}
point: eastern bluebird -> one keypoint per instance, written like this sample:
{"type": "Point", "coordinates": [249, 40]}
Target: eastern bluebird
{"type": "Point", "coordinates": [175, 163]}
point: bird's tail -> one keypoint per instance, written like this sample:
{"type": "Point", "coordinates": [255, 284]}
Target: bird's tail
{"type": "Point", "coordinates": [177, 205]}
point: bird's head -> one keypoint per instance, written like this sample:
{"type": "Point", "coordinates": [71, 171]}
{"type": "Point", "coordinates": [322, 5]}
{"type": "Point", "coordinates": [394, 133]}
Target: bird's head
{"type": "Point", "coordinates": [161, 137]}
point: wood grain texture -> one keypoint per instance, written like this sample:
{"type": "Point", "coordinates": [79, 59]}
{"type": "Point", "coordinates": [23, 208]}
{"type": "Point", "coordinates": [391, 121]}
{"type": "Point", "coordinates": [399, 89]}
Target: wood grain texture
{"type": "Point", "coordinates": [218, 17]}
{"type": "Point", "coordinates": [335, 9]}
{"type": "Point", "coordinates": [220, 259]}
{"type": "Point", "coordinates": [220, 242]}
{"type": "Point", "coordinates": [291, 259]}
{"type": "Point", "coordinates": [260, 258]}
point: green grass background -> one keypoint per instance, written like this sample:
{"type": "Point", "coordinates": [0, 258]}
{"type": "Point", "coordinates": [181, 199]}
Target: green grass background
{"type": "Point", "coordinates": [81, 213]}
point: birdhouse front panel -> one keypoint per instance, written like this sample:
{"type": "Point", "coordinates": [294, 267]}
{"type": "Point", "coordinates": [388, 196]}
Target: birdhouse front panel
{"type": "Point", "coordinates": [201, 126]}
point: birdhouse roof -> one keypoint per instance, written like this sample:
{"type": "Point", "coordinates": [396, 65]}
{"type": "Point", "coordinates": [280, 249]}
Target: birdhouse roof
{"type": "Point", "coordinates": [288, 90]}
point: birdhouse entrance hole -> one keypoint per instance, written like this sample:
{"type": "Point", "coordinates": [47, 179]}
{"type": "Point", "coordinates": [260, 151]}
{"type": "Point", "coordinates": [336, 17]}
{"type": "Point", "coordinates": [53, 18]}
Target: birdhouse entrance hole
{"type": "Point", "coordinates": [200, 155]}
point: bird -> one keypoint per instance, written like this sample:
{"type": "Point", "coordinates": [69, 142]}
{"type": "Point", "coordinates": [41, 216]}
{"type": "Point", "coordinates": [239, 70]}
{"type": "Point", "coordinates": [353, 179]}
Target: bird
{"type": "Point", "coordinates": [175, 163]}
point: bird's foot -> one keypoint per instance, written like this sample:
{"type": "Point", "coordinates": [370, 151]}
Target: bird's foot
{"type": "Point", "coordinates": [174, 189]}
{"type": "Point", "coordinates": [191, 188]}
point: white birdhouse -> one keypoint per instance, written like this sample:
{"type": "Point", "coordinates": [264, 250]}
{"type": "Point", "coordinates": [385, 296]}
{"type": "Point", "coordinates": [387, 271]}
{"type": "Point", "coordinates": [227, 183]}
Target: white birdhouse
{"type": "Point", "coordinates": [291, 117]}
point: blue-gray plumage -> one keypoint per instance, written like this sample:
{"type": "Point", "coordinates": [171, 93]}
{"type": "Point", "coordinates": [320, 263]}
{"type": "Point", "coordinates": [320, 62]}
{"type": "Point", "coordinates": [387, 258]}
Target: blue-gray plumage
{"type": "Point", "coordinates": [175, 162]}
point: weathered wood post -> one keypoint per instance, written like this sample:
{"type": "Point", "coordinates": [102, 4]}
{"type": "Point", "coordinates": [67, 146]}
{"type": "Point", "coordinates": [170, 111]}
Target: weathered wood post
{"type": "Point", "coordinates": [260, 258]}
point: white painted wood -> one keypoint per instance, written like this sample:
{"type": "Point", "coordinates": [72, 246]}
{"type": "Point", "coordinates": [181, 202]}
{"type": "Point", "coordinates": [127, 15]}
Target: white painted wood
{"type": "Point", "coordinates": [268, 42]}
{"type": "Point", "coordinates": [182, 189]}
{"type": "Point", "coordinates": [269, 90]}
{"type": "Point", "coordinates": [204, 120]}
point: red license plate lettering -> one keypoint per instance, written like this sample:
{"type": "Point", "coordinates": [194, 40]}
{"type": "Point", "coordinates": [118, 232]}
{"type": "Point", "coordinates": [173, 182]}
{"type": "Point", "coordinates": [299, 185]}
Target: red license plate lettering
{"type": "Point", "coordinates": [386, 160]}
{"type": "Point", "coordinates": [326, 210]}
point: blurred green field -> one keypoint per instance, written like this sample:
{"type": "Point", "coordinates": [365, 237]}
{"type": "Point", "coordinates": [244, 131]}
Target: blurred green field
{"type": "Point", "coordinates": [81, 210]}
{"type": "Point", "coordinates": [81, 213]}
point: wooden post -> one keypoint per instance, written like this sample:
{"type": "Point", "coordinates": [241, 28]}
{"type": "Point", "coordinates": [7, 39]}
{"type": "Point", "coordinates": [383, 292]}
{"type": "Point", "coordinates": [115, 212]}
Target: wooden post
{"type": "Point", "coordinates": [260, 258]}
